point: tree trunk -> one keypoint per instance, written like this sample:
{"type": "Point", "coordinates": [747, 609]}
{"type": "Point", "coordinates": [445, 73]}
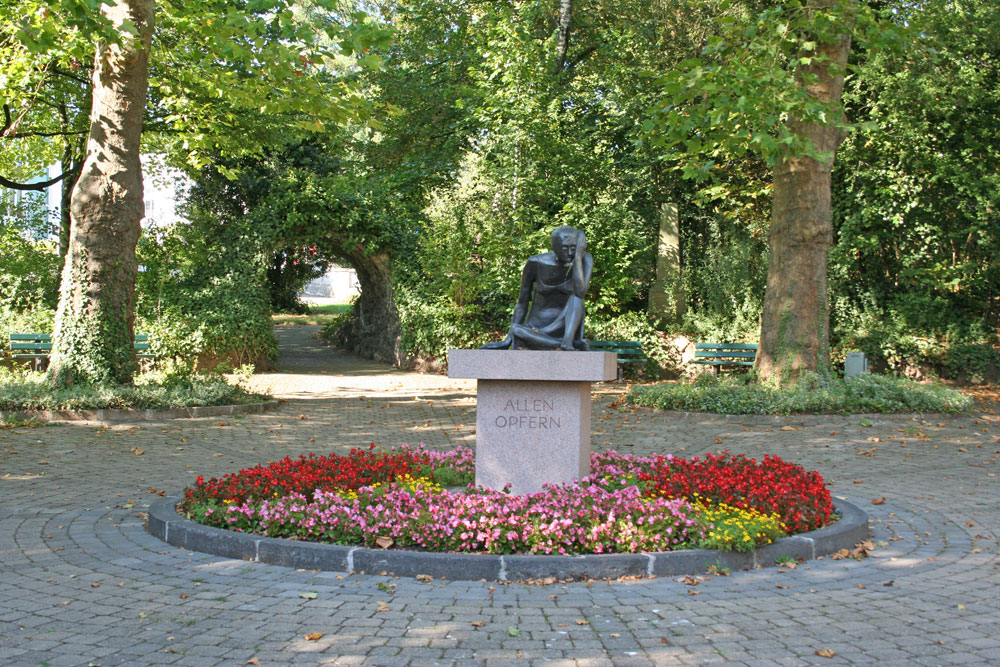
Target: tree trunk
{"type": "Point", "coordinates": [795, 325]}
{"type": "Point", "coordinates": [562, 42]}
{"type": "Point", "coordinates": [92, 341]}
{"type": "Point", "coordinates": [373, 328]}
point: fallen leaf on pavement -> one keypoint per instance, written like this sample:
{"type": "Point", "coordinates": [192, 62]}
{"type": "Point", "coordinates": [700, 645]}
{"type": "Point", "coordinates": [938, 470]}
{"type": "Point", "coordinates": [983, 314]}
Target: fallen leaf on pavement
{"type": "Point", "coordinates": [878, 501]}
{"type": "Point", "coordinates": [382, 606]}
{"type": "Point", "coordinates": [384, 542]}
{"type": "Point", "coordinates": [825, 652]}
{"type": "Point", "coordinates": [307, 596]}
{"type": "Point", "coordinates": [313, 636]}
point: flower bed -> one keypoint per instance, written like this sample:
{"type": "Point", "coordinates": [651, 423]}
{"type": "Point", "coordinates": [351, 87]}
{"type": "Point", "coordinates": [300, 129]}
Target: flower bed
{"type": "Point", "coordinates": [396, 498]}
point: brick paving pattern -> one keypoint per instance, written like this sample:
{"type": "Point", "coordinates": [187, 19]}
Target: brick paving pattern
{"type": "Point", "coordinates": [82, 582]}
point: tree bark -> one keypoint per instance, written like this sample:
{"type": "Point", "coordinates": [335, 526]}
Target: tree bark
{"type": "Point", "coordinates": [372, 330]}
{"type": "Point", "coordinates": [795, 325]}
{"type": "Point", "coordinates": [562, 43]}
{"type": "Point", "coordinates": [92, 342]}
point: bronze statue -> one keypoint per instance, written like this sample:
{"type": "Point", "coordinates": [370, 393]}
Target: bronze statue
{"type": "Point", "coordinates": [555, 283]}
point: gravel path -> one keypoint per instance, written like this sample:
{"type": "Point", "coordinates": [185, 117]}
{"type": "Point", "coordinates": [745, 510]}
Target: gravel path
{"type": "Point", "coordinates": [82, 582]}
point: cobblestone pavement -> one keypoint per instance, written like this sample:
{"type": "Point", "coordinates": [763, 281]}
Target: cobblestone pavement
{"type": "Point", "coordinates": [82, 582]}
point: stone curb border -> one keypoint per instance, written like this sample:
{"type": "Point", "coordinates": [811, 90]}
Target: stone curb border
{"type": "Point", "coordinates": [138, 415]}
{"type": "Point", "coordinates": [166, 524]}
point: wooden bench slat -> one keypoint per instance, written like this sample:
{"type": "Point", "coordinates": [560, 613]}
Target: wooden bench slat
{"type": "Point", "coordinates": [724, 363]}
{"type": "Point", "coordinates": [725, 346]}
{"type": "Point", "coordinates": [31, 346]}
{"type": "Point", "coordinates": [616, 343]}
{"type": "Point", "coordinates": [31, 336]}
{"type": "Point", "coordinates": [734, 353]}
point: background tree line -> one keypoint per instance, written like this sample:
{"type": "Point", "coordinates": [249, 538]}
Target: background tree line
{"type": "Point", "coordinates": [489, 123]}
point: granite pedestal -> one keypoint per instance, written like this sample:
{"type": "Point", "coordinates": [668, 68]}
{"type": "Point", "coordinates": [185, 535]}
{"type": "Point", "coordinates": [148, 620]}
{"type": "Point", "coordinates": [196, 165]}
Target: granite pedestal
{"type": "Point", "coordinates": [532, 413]}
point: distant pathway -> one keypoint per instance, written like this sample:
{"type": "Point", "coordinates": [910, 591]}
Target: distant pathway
{"type": "Point", "coordinates": [81, 582]}
{"type": "Point", "coordinates": [307, 367]}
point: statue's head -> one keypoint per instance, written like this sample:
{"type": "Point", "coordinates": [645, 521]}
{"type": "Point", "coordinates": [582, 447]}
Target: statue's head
{"type": "Point", "coordinates": [565, 240]}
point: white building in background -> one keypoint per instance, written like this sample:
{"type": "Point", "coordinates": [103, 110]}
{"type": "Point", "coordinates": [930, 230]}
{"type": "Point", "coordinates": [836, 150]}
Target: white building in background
{"type": "Point", "coordinates": [163, 189]}
{"type": "Point", "coordinates": [339, 284]}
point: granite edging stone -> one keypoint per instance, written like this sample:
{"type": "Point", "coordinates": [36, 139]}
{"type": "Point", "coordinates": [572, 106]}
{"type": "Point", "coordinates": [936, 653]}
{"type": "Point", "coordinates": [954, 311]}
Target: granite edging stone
{"type": "Point", "coordinates": [166, 524]}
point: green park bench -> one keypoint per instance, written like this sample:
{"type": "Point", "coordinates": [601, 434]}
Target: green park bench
{"type": "Point", "coordinates": [718, 355]}
{"type": "Point", "coordinates": [38, 346]}
{"type": "Point", "coordinates": [628, 351]}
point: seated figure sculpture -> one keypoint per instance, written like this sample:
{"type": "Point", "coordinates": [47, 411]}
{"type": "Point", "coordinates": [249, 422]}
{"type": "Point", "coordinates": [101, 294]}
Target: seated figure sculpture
{"type": "Point", "coordinates": [554, 283]}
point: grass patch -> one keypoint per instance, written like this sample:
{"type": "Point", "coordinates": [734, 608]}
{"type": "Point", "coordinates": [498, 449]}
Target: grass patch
{"type": "Point", "coordinates": [321, 315]}
{"type": "Point", "coordinates": [740, 395]}
{"type": "Point", "coordinates": [30, 391]}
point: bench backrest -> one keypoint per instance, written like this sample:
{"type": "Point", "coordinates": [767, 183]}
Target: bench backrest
{"type": "Point", "coordinates": [725, 350]}
{"type": "Point", "coordinates": [42, 342]}
{"type": "Point", "coordinates": [624, 348]}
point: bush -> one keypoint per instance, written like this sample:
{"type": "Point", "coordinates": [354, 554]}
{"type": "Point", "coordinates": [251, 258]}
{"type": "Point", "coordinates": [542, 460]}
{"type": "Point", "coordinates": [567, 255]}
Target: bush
{"type": "Point", "coordinates": [664, 360]}
{"type": "Point", "coordinates": [201, 300]}
{"type": "Point", "coordinates": [740, 395]}
{"type": "Point", "coordinates": [30, 391]}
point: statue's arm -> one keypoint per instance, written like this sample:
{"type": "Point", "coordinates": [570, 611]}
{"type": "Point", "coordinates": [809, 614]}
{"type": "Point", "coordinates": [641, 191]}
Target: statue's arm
{"type": "Point", "coordinates": [583, 267]}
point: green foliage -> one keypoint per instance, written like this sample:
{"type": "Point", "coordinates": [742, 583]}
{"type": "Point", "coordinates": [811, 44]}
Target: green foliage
{"type": "Point", "coordinates": [29, 272]}
{"type": "Point", "coordinates": [739, 395]}
{"type": "Point", "coordinates": [202, 295]}
{"type": "Point", "coordinates": [30, 391]}
{"type": "Point", "coordinates": [751, 76]}
{"type": "Point", "coordinates": [916, 267]}
{"type": "Point", "coordinates": [664, 360]}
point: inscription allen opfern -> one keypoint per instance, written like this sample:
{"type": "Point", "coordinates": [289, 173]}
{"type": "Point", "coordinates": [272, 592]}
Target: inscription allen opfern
{"type": "Point", "coordinates": [523, 414]}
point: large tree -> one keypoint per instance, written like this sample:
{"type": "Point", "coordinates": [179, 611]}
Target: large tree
{"type": "Point", "coordinates": [795, 324]}
{"type": "Point", "coordinates": [224, 77]}
{"type": "Point", "coordinates": [769, 83]}
{"type": "Point", "coordinates": [93, 334]}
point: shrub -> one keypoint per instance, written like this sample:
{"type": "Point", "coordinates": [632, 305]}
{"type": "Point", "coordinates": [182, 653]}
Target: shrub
{"type": "Point", "coordinates": [30, 391]}
{"type": "Point", "coordinates": [739, 395]}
